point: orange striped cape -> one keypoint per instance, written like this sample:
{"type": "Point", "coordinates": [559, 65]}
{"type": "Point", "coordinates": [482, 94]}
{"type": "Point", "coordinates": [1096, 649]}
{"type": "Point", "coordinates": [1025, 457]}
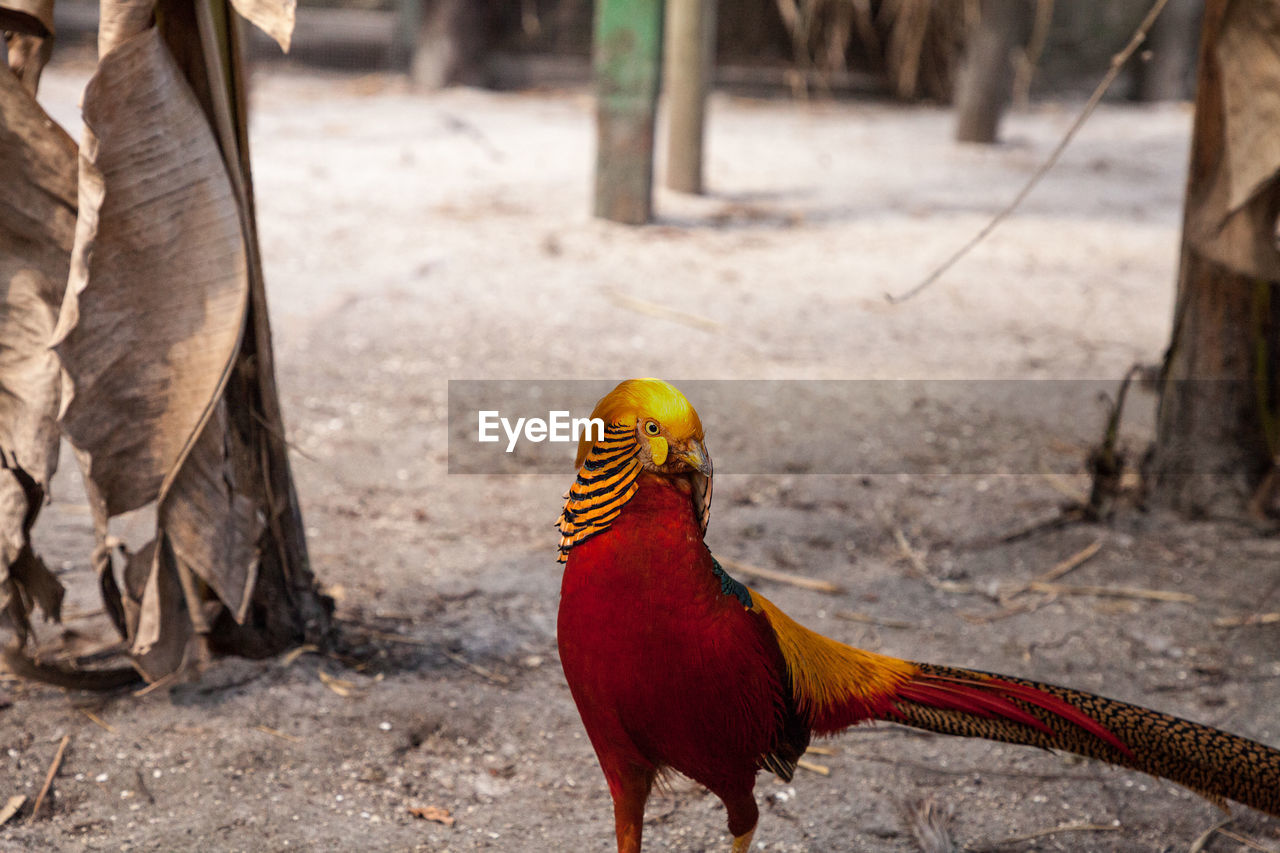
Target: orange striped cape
{"type": "Point", "coordinates": [606, 481]}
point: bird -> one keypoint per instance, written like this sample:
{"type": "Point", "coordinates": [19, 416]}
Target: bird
{"type": "Point", "coordinates": [677, 667]}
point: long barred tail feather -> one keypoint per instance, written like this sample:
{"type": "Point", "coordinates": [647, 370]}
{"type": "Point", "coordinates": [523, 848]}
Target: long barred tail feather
{"type": "Point", "coordinates": [1215, 764]}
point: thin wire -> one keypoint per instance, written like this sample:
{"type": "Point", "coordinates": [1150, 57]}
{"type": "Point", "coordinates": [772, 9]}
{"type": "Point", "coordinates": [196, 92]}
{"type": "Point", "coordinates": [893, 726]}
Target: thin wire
{"type": "Point", "coordinates": [1117, 61]}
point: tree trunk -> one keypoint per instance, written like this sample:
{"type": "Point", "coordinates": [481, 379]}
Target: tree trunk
{"type": "Point", "coordinates": [1216, 434]}
{"type": "Point", "coordinates": [1167, 75]}
{"type": "Point", "coordinates": [627, 57]}
{"type": "Point", "coordinates": [689, 60]}
{"type": "Point", "coordinates": [448, 44]}
{"type": "Point", "coordinates": [986, 75]}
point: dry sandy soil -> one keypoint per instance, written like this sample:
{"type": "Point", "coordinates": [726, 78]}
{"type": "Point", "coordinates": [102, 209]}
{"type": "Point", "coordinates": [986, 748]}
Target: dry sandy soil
{"type": "Point", "coordinates": [413, 239]}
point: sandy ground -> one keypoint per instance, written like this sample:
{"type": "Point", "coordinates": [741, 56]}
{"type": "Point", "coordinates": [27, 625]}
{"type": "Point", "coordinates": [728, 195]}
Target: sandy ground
{"type": "Point", "coordinates": [413, 239]}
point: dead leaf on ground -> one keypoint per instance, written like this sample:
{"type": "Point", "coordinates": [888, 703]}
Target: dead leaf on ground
{"type": "Point", "coordinates": [436, 814]}
{"type": "Point", "coordinates": [11, 808]}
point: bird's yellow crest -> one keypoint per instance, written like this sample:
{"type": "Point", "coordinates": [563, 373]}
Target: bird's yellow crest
{"type": "Point", "coordinates": [648, 401]}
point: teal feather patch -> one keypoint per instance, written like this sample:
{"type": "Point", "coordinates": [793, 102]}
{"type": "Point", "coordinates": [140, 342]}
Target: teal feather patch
{"type": "Point", "coordinates": [729, 586]}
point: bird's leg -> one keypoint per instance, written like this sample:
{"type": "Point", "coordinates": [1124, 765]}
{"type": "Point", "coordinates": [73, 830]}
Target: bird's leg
{"type": "Point", "coordinates": [630, 790]}
{"type": "Point", "coordinates": [743, 816]}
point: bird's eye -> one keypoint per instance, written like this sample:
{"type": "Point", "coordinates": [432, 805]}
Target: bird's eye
{"type": "Point", "coordinates": [651, 427]}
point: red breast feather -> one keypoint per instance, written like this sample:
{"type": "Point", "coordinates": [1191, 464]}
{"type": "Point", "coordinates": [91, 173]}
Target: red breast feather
{"type": "Point", "coordinates": [666, 669]}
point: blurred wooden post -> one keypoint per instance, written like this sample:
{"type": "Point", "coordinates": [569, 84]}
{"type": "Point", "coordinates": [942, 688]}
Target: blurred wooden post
{"type": "Point", "coordinates": [628, 52]}
{"type": "Point", "coordinates": [448, 42]}
{"type": "Point", "coordinates": [1168, 74]}
{"type": "Point", "coordinates": [404, 40]}
{"type": "Point", "coordinates": [986, 74]}
{"type": "Point", "coordinates": [689, 60]}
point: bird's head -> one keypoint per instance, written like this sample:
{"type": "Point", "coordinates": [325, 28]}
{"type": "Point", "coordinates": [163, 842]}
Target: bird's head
{"type": "Point", "coordinates": [649, 428]}
{"type": "Point", "coordinates": [668, 432]}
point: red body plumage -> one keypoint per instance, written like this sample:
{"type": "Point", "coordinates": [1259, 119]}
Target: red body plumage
{"type": "Point", "coordinates": [666, 669]}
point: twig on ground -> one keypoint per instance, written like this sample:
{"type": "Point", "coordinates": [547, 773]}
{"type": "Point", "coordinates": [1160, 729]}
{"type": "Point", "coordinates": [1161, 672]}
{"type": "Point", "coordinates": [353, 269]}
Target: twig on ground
{"type": "Point", "coordinates": [1040, 583]}
{"type": "Point", "coordinates": [1247, 842]}
{"type": "Point", "coordinates": [344, 688]}
{"type": "Point", "coordinates": [1247, 620]}
{"type": "Point", "coordinates": [1070, 827]}
{"type": "Point", "coordinates": [1009, 610]}
{"type": "Point", "coordinates": [1071, 563]}
{"type": "Point", "coordinates": [816, 584]}
{"type": "Point", "coordinates": [662, 312]}
{"type": "Point", "coordinates": [977, 771]}
{"type": "Point", "coordinates": [495, 677]}
{"type": "Point", "coordinates": [1043, 525]}
{"type": "Point", "coordinates": [296, 652]}
{"type": "Point", "coordinates": [279, 734]}
{"type": "Point", "coordinates": [1115, 592]}
{"type": "Point", "coordinates": [1198, 845]}
{"type": "Point", "coordinates": [866, 619]}
{"type": "Point", "coordinates": [96, 720]}
{"type": "Point", "coordinates": [920, 569]}
{"type": "Point", "coordinates": [1059, 569]}
{"type": "Point", "coordinates": [911, 555]}
{"type": "Point", "coordinates": [814, 767]}
{"type": "Point", "coordinates": [48, 779]}
{"type": "Point", "coordinates": [1117, 62]}
{"type": "Point", "coordinates": [163, 681]}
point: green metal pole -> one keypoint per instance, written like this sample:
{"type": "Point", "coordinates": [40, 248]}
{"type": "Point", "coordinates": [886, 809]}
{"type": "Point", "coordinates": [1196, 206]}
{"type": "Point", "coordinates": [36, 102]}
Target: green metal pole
{"type": "Point", "coordinates": [628, 62]}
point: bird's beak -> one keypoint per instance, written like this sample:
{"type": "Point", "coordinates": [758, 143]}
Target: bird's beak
{"type": "Point", "coordinates": [695, 456]}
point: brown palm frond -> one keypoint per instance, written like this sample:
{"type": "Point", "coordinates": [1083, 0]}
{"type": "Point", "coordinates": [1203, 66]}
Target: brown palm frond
{"type": "Point", "coordinates": [913, 44]}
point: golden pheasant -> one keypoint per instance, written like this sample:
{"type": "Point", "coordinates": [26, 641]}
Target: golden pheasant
{"type": "Point", "coordinates": [675, 666]}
